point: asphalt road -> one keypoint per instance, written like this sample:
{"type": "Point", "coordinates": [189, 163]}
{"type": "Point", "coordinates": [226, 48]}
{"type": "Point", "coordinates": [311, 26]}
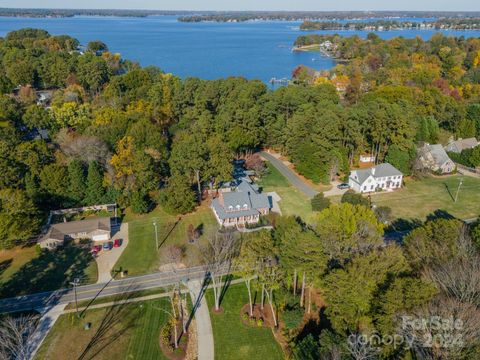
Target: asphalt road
{"type": "Point", "coordinates": [87, 292]}
{"type": "Point", "coordinates": [290, 175]}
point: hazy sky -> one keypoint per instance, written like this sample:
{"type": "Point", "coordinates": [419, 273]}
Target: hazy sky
{"type": "Point", "coordinates": [453, 5]}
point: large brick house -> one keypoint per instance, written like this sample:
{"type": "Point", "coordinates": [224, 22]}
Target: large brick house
{"type": "Point", "coordinates": [243, 205]}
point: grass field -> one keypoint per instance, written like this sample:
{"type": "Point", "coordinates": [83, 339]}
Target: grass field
{"type": "Point", "coordinates": [233, 339]}
{"type": "Point", "coordinates": [120, 332]}
{"type": "Point", "coordinates": [140, 256]}
{"type": "Point", "coordinates": [11, 260]}
{"type": "Point", "coordinates": [418, 199]}
{"type": "Point", "coordinates": [293, 201]}
{"type": "Point", "coordinates": [25, 271]}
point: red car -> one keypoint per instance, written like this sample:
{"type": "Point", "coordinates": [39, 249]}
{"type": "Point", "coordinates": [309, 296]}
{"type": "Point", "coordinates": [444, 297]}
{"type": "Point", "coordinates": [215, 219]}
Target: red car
{"type": "Point", "coordinates": [97, 248]}
{"type": "Point", "coordinates": [117, 243]}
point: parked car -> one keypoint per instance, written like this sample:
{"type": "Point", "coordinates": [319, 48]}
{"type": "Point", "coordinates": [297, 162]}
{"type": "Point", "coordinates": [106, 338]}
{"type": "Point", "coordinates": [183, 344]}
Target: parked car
{"type": "Point", "coordinates": [343, 186]}
{"type": "Point", "coordinates": [97, 248]}
{"type": "Point", "coordinates": [117, 243]}
{"type": "Point", "coordinates": [107, 246]}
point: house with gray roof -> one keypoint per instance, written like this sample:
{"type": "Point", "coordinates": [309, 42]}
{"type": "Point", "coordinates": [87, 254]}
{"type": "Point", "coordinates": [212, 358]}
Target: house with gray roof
{"type": "Point", "coordinates": [380, 177]}
{"type": "Point", "coordinates": [435, 158]}
{"type": "Point", "coordinates": [98, 229]}
{"type": "Point", "coordinates": [243, 205]}
{"type": "Point", "coordinates": [459, 145]}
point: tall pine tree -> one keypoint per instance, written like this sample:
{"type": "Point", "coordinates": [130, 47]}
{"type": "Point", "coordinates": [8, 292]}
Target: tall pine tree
{"type": "Point", "coordinates": [76, 186]}
{"type": "Point", "coordinates": [95, 190]}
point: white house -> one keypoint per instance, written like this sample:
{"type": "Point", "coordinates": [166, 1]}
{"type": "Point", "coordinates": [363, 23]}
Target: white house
{"type": "Point", "coordinates": [383, 176]}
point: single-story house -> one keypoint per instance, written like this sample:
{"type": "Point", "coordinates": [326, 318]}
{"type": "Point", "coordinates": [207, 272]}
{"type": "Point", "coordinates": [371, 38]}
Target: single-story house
{"type": "Point", "coordinates": [435, 158]}
{"type": "Point", "coordinates": [380, 177]}
{"type": "Point", "coordinates": [241, 206]}
{"type": "Point", "coordinates": [98, 229]}
{"type": "Point", "coordinates": [459, 145]}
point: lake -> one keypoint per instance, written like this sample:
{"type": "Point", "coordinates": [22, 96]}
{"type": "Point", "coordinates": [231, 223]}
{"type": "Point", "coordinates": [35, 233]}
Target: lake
{"type": "Point", "coordinates": [255, 50]}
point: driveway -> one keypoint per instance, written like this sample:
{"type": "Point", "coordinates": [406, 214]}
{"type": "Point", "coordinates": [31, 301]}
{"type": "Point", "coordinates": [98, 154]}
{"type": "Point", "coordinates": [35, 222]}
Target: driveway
{"type": "Point", "coordinates": [204, 325]}
{"type": "Point", "coordinates": [335, 191]}
{"type": "Point", "coordinates": [106, 260]}
{"type": "Point", "coordinates": [293, 178]}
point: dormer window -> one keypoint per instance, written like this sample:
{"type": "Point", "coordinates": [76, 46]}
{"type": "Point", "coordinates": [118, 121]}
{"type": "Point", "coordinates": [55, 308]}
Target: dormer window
{"type": "Point", "coordinates": [238, 207]}
{"type": "Point", "coordinates": [245, 206]}
{"type": "Point", "coordinates": [230, 208]}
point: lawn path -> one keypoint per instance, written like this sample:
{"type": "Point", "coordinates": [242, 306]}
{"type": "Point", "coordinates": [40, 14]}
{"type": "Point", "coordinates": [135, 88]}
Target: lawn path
{"type": "Point", "coordinates": [204, 325]}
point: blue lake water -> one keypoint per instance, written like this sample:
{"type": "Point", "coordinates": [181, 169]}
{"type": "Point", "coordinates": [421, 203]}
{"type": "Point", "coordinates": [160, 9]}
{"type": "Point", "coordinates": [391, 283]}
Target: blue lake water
{"type": "Point", "coordinates": [255, 50]}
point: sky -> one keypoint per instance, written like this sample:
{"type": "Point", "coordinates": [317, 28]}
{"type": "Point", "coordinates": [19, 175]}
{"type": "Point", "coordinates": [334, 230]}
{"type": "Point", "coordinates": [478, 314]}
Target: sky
{"type": "Point", "coordinates": [312, 5]}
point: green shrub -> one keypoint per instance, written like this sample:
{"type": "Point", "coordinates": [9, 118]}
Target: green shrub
{"type": "Point", "coordinates": [320, 202]}
{"type": "Point", "coordinates": [353, 198]}
{"type": "Point", "coordinates": [292, 316]}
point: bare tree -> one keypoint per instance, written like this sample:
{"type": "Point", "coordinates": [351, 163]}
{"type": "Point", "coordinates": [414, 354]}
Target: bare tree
{"type": "Point", "coordinates": [443, 328]}
{"type": "Point", "coordinates": [360, 348]}
{"type": "Point", "coordinates": [218, 254]}
{"type": "Point", "coordinates": [84, 148]}
{"type": "Point", "coordinates": [17, 337]}
{"type": "Point", "coordinates": [254, 162]}
{"type": "Point", "coordinates": [458, 278]}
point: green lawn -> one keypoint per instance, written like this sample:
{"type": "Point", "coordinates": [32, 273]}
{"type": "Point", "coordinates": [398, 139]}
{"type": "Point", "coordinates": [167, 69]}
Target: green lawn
{"type": "Point", "coordinates": [140, 256]}
{"type": "Point", "coordinates": [128, 331]}
{"type": "Point", "coordinates": [418, 199]}
{"type": "Point", "coordinates": [233, 339]}
{"type": "Point", "coordinates": [28, 272]}
{"type": "Point", "coordinates": [293, 201]}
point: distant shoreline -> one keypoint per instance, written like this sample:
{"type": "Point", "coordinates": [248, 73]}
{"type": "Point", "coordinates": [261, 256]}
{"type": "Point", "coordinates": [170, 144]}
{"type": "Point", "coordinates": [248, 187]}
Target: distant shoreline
{"type": "Point", "coordinates": [236, 16]}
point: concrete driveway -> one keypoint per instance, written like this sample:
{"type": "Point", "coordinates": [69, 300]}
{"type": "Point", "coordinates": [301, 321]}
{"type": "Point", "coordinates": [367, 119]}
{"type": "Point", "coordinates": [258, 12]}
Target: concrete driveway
{"type": "Point", "coordinates": [107, 259]}
{"type": "Point", "coordinates": [293, 178]}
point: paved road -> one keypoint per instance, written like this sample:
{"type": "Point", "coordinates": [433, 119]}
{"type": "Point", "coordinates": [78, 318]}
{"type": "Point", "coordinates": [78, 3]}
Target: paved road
{"type": "Point", "coordinates": [87, 292]}
{"type": "Point", "coordinates": [293, 178]}
{"type": "Point", "coordinates": [206, 348]}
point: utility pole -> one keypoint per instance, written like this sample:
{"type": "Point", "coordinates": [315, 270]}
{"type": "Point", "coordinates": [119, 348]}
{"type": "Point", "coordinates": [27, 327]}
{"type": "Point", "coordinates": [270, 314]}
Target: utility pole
{"type": "Point", "coordinates": [156, 234]}
{"type": "Point", "coordinates": [458, 189]}
{"type": "Point", "coordinates": [75, 283]}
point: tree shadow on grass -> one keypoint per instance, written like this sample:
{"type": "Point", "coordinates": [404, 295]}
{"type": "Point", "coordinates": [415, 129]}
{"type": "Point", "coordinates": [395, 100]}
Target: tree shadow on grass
{"type": "Point", "coordinates": [117, 320]}
{"type": "Point", "coordinates": [448, 191]}
{"type": "Point", "coordinates": [49, 271]}
{"type": "Point", "coordinates": [440, 214]}
{"type": "Point", "coordinates": [4, 265]}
